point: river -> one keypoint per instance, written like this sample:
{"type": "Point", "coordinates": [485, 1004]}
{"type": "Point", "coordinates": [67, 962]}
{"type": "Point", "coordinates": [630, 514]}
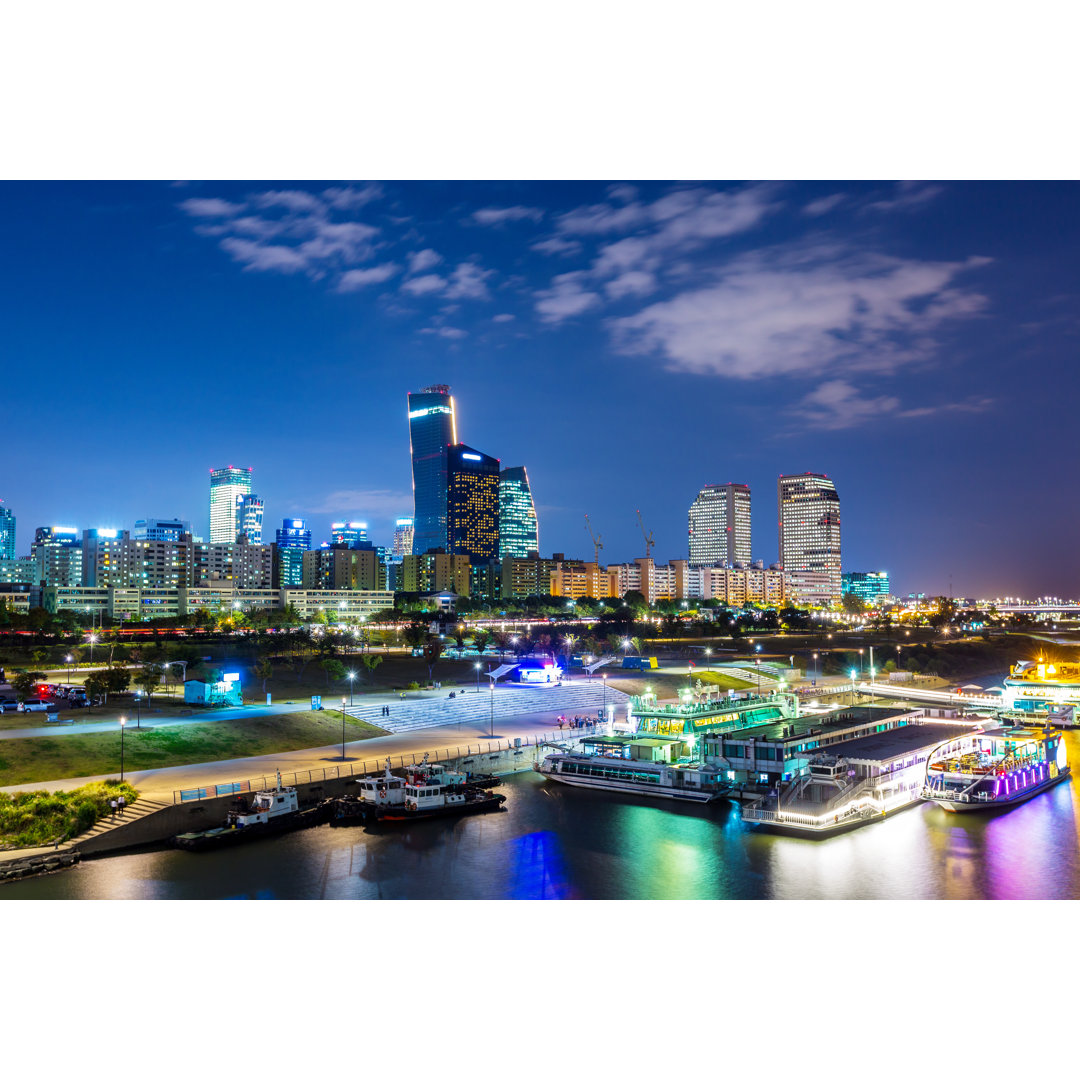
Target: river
{"type": "Point", "coordinates": [556, 842]}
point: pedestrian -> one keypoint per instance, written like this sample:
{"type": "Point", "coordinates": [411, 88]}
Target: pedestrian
{"type": "Point", "coordinates": [112, 807]}
{"type": "Point", "coordinates": [121, 802]}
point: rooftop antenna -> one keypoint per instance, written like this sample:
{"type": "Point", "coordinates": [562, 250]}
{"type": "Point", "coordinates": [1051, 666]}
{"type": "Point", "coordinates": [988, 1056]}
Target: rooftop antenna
{"type": "Point", "coordinates": [597, 546]}
{"type": "Point", "coordinates": [649, 542]}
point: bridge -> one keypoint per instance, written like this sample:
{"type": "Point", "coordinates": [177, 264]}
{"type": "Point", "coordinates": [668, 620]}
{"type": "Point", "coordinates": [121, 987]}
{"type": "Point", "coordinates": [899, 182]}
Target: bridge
{"type": "Point", "coordinates": [936, 697]}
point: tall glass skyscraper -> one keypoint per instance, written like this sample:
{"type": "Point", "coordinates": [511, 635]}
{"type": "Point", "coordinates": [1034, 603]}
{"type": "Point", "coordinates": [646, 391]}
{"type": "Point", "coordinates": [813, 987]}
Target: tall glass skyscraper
{"type": "Point", "coordinates": [7, 532]}
{"type": "Point", "coordinates": [472, 503]}
{"type": "Point", "coordinates": [431, 431]}
{"type": "Point", "coordinates": [225, 486]}
{"type": "Point", "coordinates": [720, 526]}
{"type": "Point", "coordinates": [808, 509]}
{"type": "Point", "coordinates": [348, 532]}
{"type": "Point", "coordinates": [519, 533]}
{"type": "Point", "coordinates": [294, 533]}
{"type": "Point", "coordinates": [249, 518]}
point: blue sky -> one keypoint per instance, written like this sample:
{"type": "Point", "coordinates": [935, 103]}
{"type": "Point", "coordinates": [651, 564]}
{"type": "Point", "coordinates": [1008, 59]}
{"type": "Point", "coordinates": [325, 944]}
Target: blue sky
{"type": "Point", "coordinates": [626, 342]}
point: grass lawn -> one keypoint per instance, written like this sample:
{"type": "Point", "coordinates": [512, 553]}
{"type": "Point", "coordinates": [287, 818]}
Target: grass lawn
{"type": "Point", "coordinates": [36, 818]}
{"type": "Point", "coordinates": [27, 761]}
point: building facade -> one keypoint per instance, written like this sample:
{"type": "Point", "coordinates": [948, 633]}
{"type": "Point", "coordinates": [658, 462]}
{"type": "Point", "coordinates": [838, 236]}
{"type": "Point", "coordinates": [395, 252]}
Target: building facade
{"type": "Point", "coordinates": [519, 533]}
{"type": "Point", "coordinates": [249, 518]}
{"type": "Point", "coordinates": [431, 431]}
{"type": "Point", "coordinates": [112, 557]}
{"type": "Point", "coordinates": [866, 585]}
{"type": "Point", "coordinates": [7, 532]}
{"type": "Point", "coordinates": [58, 554]}
{"type": "Point", "coordinates": [403, 536]}
{"type": "Point", "coordinates": [343, 568]}
{"type": "Point", "coordinates": [294, 533]}
{"type": "Point", "coordinates": [227, 486]}
{"type": "Point", "coordinates": [522, 578]}
{"type": "Point", "coordinates": [472, 504]}
{"type": "Point", "coordinates": [161, 529]}
{"type": "Point", "coordinates": [719, 526]}
{"type": "Point", "coordinates": [808, 514]}
{"type": "Point", "coordinates": [348, 533]}
{"type": "Point", "coordinates": [435, 572]}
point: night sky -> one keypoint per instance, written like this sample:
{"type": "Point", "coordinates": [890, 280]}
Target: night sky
{"type": "Point", "coordinates": [626, 343]}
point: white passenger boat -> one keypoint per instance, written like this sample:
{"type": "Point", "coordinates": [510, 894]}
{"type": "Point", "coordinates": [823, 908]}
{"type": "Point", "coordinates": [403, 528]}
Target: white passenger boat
{"type": "Point", "coordinates": [995, 768]}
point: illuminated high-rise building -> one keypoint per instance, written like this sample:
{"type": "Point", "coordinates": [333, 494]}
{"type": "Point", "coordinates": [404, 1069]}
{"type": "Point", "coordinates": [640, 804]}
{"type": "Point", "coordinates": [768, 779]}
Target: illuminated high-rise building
{"type": "Point", "coordinates": [472, 503]}
{"type": "Point", "coordinates": [403, 536]}
{"type": "Point", "coordinates": [432, 431]}
{"type": "Point", "coordinates": [348, 532]}
{"type": "Point", "coordinates": [808, 511]}
{"type": "Point", "coordinates": [58, 553]}
{"type": "Point", "coordinates": [249, 518]}
{"type": "Point", "coordinates": [7, 532]}
{"type": "Point", "coordinates": [518, 529]}
{"type": "Point", "coordinates": [720, 526]}
{"type": "Point", "coordinates": [294, 533]}
{"type": "Point", "coordinates": [161, 529]}
{"type": "Point", "coordinates": [227, 485]}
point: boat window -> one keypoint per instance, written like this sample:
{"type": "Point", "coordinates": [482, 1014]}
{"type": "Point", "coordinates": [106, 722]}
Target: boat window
{"type": "Point", "coordinates": [281, 800]}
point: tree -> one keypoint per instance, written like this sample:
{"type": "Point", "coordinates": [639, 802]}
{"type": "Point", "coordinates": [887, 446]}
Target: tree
{"type": "Point", "coordinates": [853, 604]}
{"type": "Point", "coordinates": [24, 682]}
{"type": "Point", "coordinates": [433, 649]}
{"type": "Point", "coordinates": [148, 680]}
{"type": "Point", "coordinates": [371, 661]}
{"type": "Point", "coordinates": [334, 669]}
{"type": "Point", "coordinates": [263, 670]}
{"type": "Point", "coordinates": [415, 633]}
{"type": "Point", "coordinates": [117, 680]}
{"type": "Point", "coordinates": [97, 685]}
{"type": "Point", "coordinates": [480, 640]}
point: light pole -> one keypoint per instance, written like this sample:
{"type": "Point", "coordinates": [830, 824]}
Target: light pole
{"type": "Point", "coordinates": [491, 695]}
{"type": "Point", "coordinates": [67, 663]}
{"type": "Point", "coordinates": [342, 729]}
{"type": "Point", "coordinates": [708, 659]}
{"type": "Point", "coordinates": [123, 724]}
{"type": "Point", "coordinates": [352, 675]}
{"type": "Point", "coordinates": [604, 677]}
{"type": "Point", "coordinates": [757, 662]}
{"type": "Point", "coordinates": [477, 666]}
{"type": "Point", "coordinates": [852, 686]}
{"type": "Point", "coordinates": [815, 669]}
{"type": "Point", "coordinates": [138, 709]}
{"type": "Point", "coordinates": [93, 639]}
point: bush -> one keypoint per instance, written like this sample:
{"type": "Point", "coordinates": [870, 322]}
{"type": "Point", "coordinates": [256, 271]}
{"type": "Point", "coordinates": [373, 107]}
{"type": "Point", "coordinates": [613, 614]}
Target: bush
{"type": "Point", "coordinates": [413, 686]}
{"type": "Point", "coordinates": [37, 818]}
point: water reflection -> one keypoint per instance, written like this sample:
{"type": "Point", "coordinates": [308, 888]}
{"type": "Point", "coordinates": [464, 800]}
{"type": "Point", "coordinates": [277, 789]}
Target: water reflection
{"type": "Point", "coordinates": [556, 842]}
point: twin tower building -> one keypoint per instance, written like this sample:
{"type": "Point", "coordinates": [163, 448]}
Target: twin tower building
{"type": "Point", "coordinates": [808, 516]}
{"type": "Point", "coordinates": [464, 502]}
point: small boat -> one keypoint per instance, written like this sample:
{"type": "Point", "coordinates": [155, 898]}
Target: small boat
{"type": "Point", "coordinates": [426, 791]}
{"type": "Point", "coordinates": [995, 768]}
{"type": "Point", "coordinates": [267, 814]}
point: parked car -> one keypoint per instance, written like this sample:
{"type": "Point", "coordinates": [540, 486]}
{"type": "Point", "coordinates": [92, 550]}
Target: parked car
{"type": "Point", "coordinates": [35, 704]}
{"type": "Point", "coordinates": [8, 705]}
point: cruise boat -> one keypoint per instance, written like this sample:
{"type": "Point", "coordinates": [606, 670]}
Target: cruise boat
{"type": "Point", "coordinates": [1041, 688]}
{"type": "Point", "coordinates": [988, 769]}
{"type": "Point", "coordinates": [634, 766]}
{"type": "Point", "coordinates": [426, 791]}
{"type": "Point", "coordinates": [268, 813]}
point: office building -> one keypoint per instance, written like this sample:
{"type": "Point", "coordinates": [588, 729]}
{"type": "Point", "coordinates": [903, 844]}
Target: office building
{"type": "Point", "coordinates": [348, 533]}
{"type": "Point", "coordinates": [431, 431]}
{"type": "Point", "coordinates": [435, 572]}
{"type": "Point", "coordinates": [7, 532]}
{"type": "Point", "coordinates": [227, 485]}
{"type": "Point", "coordinates": [403, 536]}
{"type": "Point", "coordinates": [576, 580]}
{"type": "Point", "coordinates": [720, 526]}
{"type": "Point", "coordinates": [340, 567]}
{"type": "Point", "coordinates": [744, 585]}
{"type": "Point", "coordinates": [521, 578]}
{"type": "Point", "coordinates": [58, 555]}
{"type": "Point", "coordinates": [239, 564]}
{"type": "Point", "coordinates": [287, 567]}
{"type": "Point", "coordinates": [161, 529]}
{"type": "Point", "coordinates": [114, 558]}
{"type": "Point", "coordinates": [472, 504]}
{"type": "Point", "coordinates": [294, 533]}
{"type": "Point", "coordinates": [867, 586]}
{"type": "Point", "coordinates": [249, 518]}
{"type": "Point", "coordinates": [808, 513]}
{"type": "Point", "coordinates": [18, 572]}
{"type": "Point", "coordinates": [518, 530]}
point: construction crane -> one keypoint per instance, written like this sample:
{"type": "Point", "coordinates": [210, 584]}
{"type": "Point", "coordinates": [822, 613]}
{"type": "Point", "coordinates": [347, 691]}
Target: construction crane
{"type": "Point", "coordinates": [597, 546]}
{"type": "Point", "coordinates": [649, 542]}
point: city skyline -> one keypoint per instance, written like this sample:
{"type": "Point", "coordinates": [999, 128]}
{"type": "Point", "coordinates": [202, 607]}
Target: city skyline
{"type": "Point", "coordinates": [868, 331]}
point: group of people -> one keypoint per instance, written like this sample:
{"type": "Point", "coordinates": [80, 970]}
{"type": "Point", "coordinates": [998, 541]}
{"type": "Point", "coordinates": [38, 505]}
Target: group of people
{"type": "Point", "coordinates": [386, 710]}
{"type": "Point", "coordinates": [575, 722]}
{"type": "Point", "coordinates": [117, 804]}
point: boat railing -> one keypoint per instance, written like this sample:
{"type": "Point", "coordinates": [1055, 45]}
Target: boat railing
{"type": "Point", "coordinates": [486, 750]}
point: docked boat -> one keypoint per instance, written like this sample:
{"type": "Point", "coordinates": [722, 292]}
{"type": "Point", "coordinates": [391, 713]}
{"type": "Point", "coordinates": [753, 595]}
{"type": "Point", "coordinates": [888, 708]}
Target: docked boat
{"type": "Point", "coordinates": [635, 767]}
{"type": "Point", "coordinates": [425, 791]}
{"type": "Point", "coordinates": [1038, 689]}
{"type": "Point", "coordinates": [989, 769]}
{"type": "Point", "coordinates": [266, 814]}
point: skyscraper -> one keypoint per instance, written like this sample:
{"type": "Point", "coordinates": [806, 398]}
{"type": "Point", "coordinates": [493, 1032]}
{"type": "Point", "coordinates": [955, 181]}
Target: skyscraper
{"type": "Point", "coordinates": [808, 509]}
{"type": "Point", "coordinates": [225, 485]}
{"type": "Point", "coordinates": [294, 533]}
{"type": "Point", "coordinates": [720, 526]}
{"type": "Point", "coordinates": [518, 528]}
{"type": "Point", "coordinates": [249, 518]}
{"type": "Point", "coordinates": [161, 529]}
{"type": "Point", "coordinates": [7, 532]}
{"type": "Point", "coordinates": [472, 503]}
{"type": "Point", "coordinates": [348, 532]}
{"type": "Point", "coordinates": [403, 536]}
{"type": "Point", "coordinates": [431, 431]}
{"type": "Point", "coordinates": [58, 554]}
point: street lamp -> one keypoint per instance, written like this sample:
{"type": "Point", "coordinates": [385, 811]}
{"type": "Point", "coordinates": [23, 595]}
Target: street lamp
{"type": "Point", "coordinates": [342, 729]}
{"type": "Point", "coordinates": [477, 666]}
{"type": "Point", "coordinates": [708, 659]}
{"type": "Point", "coordinates": [352, 675]}
{"type": "Point", "coordinates": [123, 723]}
{"type": "Point", "coordinates": [138, 709]}
{"type": "Point", "coordinates": [491, 696]}
{"type": "Point", "coordinates": [93, 639]}
{"type": "Point", "coordinates": [758, 663]}
{"type": "Point", "coordinates": [852, 686]}
{"type": "Point", "coordinates": [67, 662]}
{"type": "Point", "coordinates": [815, 668]}
{"type": "Point", "coordinates": [604, 677]}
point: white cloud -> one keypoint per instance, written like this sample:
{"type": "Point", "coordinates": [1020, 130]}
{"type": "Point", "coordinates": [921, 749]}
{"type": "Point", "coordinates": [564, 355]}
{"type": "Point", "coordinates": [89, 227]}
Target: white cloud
{"type": "Point", "coordinates": [467, 282]}
{"type": "Point", "coordinates": [625, 193]}
{"type": "Point", "coordinates": [566, 298]}
{"type": "Point", "coordinates": [348, 240]}
{"type": "Point", "coordinates": [909, 195]}
{"type": "Point", "coordinates": [299, 202]}
{"type": "Point", "coordinates": [495, 215]}
{"type": "Point", "coordinates": [420, 286]}
{"type": "Point", "coordinates": [813, 310]}
{"type": "Point", "coordinates": [352, 280]}
{"type": "Point", "coordinates": [265, 257]}
{"type": "Point", "coordinates": [504, 317]}
{"type": "Point", "coordinates": [374, 503]}
{"type": "Point", "coordinates": [601, 218]}
{"type": "Point", "coordinates": [632, 283]}
{"type": "Point", "coordinates": [423, 260]}
{"type": "Point", "coordinates": [210, 207]}
{"type": "Point", "coordinates": [445, 331]}
{"type": "Point", "coordinates": [351, 198]}
{"type": "Point", "coordinates": [556, 245]}
{"type": "Point", "coordinates": [837, 404]}
{"type": "Point", "coordinates": [824, 204]}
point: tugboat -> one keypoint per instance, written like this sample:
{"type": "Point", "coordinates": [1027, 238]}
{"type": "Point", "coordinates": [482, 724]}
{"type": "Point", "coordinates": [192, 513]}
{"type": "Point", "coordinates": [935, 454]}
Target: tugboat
{"type": "Point", "coordinates": [269, 813]}
{"type": "Point", "coordinates": [426, 791]}
{"type": "Point", "coordinates": [987, 770]}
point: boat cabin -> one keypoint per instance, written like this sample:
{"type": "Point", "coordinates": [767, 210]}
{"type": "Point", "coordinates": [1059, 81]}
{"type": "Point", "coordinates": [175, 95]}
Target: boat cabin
{"type": "Point", "coordinates": [265, 805]}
